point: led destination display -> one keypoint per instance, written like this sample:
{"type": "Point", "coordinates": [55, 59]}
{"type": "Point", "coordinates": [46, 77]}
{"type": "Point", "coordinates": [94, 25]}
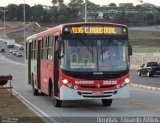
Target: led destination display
{"type": "Point", "coordinates": [96, 30]}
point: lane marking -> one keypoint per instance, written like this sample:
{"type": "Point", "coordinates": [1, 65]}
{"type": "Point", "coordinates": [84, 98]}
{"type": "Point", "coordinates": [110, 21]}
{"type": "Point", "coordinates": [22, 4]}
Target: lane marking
{"type": "Point", "coordinates": [145, 87]}
{"type": "Point", "coordinates": [44, 116]}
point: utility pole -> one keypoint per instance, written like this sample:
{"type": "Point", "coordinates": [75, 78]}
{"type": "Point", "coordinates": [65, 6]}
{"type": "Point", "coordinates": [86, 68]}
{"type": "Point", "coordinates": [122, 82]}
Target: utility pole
{"type": "Point", "coordinates": [86, 10]}
{"type": "Point", "coordinates": [24, 17]}
{"type": "Point", "coordinates": [4, 25]}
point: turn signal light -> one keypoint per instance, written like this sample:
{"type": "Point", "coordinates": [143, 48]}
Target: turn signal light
{"type": "Point", "coordinates": [76, 87]}
{"type": "Point", "coordinates": [118, 86]}
{"type": "Point", "coordinates": [69, 85]}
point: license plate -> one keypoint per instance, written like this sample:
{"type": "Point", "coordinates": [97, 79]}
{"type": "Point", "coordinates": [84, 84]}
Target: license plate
{"type": "Point", "coordinates": [97, 93]}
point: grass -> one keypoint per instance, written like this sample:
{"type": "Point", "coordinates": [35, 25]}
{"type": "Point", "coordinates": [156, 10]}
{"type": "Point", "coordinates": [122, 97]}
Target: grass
{"type": "Point", "coordinates": [145, 49]}
{"type": "Point", "coordinates": [144, 35]}
{"type": "Point", "coordinates": [11, 107]}
{"type": "Point", "coordinates": [145, 41]}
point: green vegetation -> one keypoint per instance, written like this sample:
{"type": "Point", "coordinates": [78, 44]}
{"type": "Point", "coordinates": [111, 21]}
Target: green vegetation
{"type": "Point", "coordinates": [19, 40]}
{"type": "Point", "coordinates": [74, 12]}
{"type": "Point", "coordinates": [144, 49]}
{"type": "Point", "coordinates": [144, 35]}
{"type": "Point", "coordinates": [145, 41]}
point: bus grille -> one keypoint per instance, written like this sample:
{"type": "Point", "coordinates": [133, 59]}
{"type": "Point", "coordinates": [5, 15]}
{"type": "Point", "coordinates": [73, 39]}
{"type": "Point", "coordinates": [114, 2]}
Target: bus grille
{"type": "Point", "coordinates": [96, 87]}
{"type": "Point", "coordinates": [91, 95]}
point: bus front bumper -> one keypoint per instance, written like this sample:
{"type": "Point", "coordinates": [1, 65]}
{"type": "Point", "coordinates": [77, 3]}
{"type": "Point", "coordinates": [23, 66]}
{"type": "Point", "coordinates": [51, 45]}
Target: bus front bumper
{"type": "Point", "coordinates": [67, 93]}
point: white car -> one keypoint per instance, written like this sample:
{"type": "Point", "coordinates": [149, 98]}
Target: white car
{"type": "Point", "coordinates": [14, 52]}
{"type": "Point", "coordinates": [10, 50]}
{"type": "Point", "coordinates": [19, 54]}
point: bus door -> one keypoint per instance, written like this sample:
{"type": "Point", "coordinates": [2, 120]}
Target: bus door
{"type": "Point", "coordinates": [39, 65]}
{"type": "Point", "coordinates": [56, 67]}
{"type": "Point", "coordinates": [29, 62]}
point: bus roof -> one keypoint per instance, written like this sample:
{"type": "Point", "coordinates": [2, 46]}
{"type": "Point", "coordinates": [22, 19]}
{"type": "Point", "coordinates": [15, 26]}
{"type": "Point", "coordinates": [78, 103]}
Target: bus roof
{"type": "Point", "coordinates": [60, 27]}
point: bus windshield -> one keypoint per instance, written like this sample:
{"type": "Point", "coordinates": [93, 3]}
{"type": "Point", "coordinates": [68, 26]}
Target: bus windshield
{"type": "Point", "coordinates": [95, 55]}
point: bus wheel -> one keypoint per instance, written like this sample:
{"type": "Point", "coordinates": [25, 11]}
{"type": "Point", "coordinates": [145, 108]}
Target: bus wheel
{"type": "Point", "coordinates": [35, 91]}
{"type": "Point", "coordinates": [107, 102]}
{"type": "Point", "coordinates": [57, 102]}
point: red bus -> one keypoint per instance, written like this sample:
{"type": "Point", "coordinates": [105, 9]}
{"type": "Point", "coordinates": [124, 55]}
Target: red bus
{"type": "Point", "coordinates": [80, 61]}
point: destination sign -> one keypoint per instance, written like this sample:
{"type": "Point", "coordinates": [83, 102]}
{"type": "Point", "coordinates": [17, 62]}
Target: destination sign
{"type": "Point", "coordinates": [96, 30]}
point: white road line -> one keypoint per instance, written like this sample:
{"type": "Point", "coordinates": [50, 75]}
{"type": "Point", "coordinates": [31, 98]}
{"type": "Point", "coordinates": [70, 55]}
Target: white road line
{"type": "Point", "coordinates": [145, 87]}
{"type": "Point", "coordinates": [45, 117]}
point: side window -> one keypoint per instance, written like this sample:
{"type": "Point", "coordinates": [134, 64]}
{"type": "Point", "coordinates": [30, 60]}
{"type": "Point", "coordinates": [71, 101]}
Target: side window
{"type": "Point", "coordinates": [143, 65]}
{"type": "Point", "coordinates": [148, 65]}
{"type": "Point", "coordinates": [42, 46]}
{"type": "Point", "coordinates": [50, 48]}
{"type": "Point", "coordinates": [32, 49]}
{"type": "Point", "coordinates": [43, 55]}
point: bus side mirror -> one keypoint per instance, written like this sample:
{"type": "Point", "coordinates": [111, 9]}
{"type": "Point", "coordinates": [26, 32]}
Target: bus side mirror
{"type": "Point", "coordinates": [130, 49]}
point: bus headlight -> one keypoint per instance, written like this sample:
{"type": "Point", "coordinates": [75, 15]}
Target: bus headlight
{"type": "Point", "coordinates": [127, 80]}
{"type": "Point", "coordinates": [65, 81]}
{"type": "Point", "coordinates": [123, 84]}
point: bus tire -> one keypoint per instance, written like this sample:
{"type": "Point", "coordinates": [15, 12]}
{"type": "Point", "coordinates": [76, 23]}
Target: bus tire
{"type": "Point", "coordinates": [3, 82]}
{"type": "Point", "coordinates": [107, 102]}
{"type": "Point", "coordinates": [50, 93]}
{"type": "Point", "coordinates": [34, 90]}
{"type": "Point", "coordinates": [57, 102]}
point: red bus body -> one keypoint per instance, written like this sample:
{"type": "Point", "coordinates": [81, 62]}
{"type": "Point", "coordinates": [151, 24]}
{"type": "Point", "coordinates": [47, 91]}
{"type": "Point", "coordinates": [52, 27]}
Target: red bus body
{"type": "Point", "coordinates": [41, 71]}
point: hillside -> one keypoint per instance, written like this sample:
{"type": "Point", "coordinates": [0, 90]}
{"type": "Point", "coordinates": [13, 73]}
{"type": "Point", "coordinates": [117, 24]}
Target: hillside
{"type": "Point", "coordinates": [15, 30]}
{"type": "Point", "coordinates": [143, 39]}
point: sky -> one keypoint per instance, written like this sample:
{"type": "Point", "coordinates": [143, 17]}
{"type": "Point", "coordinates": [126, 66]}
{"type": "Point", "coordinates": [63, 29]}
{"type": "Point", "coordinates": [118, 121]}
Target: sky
{"type": "Point", "coordinates": [99, 2]}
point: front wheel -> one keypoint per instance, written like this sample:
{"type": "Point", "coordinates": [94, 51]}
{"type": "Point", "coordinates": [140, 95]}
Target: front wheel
{"type": "Point", "coordinates": [34, 90]}
{"type": "Point", "coordinates": [3, 82]}
{"type": "Point", "coordinates": [107, 102]}
{"type": "Point", "coordinates": [57, 102]}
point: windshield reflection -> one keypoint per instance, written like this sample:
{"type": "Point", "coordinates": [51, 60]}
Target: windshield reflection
{"type": "Point", "coordinates": [95, 55]}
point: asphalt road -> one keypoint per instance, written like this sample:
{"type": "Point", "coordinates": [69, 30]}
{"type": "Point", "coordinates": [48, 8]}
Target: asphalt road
{"type": "Point", "coordinates": [144, 80]}
{"type": "Point", "coordinates": [142, 102]}
{"type": "Point", "coordinates": [9, 55]}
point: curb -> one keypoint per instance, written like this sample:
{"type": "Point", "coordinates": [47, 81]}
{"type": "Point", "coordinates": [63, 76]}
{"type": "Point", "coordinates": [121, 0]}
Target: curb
{"type": "Point", "coordinates": [145, 87]}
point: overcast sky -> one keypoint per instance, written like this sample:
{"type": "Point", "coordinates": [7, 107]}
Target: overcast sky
{"type": "Point", "coordinates": [100, 2]}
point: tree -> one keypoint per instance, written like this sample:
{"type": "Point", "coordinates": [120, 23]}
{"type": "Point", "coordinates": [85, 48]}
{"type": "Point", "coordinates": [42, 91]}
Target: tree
{"type": "Point", "coordinates": [12, 12]}
{"type": "Point", "coordinates": [54, 2]}
{"type": "Point", "coordinates": [60, 2]}
{"type": "Point", "coordinates": [120, 18]}
{"type": "Point", "coordinates": [37, 13]}
{"type": "Point", "coordinates": [28, 12]}
{"type": "Point", "coordinates": [76, 8]}
{"type": "Point", "coordinates": [112, 5]}
{"type": "Point", "coordinates": [63, 14]}
{"type": "Point", "coordinates": [19, 12]}
{"type": "Point", "coordinates": [149, 19]}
